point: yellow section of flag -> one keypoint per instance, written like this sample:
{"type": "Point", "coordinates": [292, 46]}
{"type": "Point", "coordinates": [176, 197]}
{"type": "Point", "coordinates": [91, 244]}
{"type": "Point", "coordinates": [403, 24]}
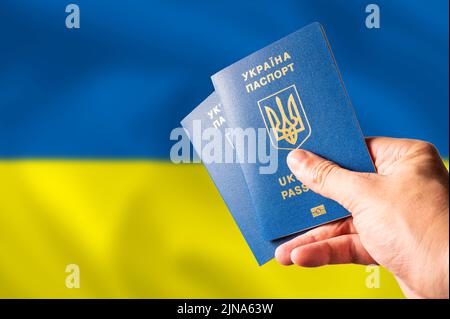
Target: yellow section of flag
{"type": "Point", "coordinates": [141, 229]}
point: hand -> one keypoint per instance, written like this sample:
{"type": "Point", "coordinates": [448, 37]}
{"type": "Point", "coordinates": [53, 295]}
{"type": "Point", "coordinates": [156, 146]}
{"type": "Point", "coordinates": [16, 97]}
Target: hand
{"type": "Point", "coordinates": [400, 216]}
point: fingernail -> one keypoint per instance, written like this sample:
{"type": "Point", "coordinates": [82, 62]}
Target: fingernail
{"type": "Point", "coordinates": [278, 253]}
{"type": "Point", "coordinates": [295, 157]}
{"type": "Point", "coordinates": [295, 256]}
{"type": "Point", "coordinates": [282, 256]}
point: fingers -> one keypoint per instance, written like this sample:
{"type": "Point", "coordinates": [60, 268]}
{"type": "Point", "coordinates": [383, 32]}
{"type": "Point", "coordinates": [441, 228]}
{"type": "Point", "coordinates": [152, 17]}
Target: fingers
{"type": "Point", "coordinates": [328, 179]}
{"type": "Point", "coordinates": [341, 227]}
{"type": "Point", "coordinates": [386, 151]}
{"type": "Point", "coordinates": [346, 249]}
{"type": "Point", "coordinates": [379, 145]}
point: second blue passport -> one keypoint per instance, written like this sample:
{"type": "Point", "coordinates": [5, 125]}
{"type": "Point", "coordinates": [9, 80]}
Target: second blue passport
{"type": "Point", "coordinates": [294, 91]}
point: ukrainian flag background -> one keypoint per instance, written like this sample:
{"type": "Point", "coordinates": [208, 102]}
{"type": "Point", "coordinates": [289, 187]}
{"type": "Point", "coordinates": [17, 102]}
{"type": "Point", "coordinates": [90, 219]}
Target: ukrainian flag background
{"type": "Point", "coordinates": [85, 118]}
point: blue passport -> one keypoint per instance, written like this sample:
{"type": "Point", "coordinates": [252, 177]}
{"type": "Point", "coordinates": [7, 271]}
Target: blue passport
{"type": "Point", "coordinates": [229, 179]}
{"type": "Point", "coordinates": [293, 90]}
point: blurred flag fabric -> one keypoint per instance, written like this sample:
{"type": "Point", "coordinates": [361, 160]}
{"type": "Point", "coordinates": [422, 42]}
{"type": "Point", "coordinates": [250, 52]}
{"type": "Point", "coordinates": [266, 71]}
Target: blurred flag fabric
{"type": "Point", "coordinates": [85, 118]}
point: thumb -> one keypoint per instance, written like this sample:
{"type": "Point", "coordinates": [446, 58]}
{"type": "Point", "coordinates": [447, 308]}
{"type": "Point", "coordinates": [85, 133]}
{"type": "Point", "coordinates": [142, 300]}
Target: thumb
{"type": "Point", "coordinates": [330, 180]}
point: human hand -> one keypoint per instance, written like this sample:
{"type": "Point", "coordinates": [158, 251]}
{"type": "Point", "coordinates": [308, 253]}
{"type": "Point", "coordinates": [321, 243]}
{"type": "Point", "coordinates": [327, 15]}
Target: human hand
{"type": "Point", "coordinates": [400, 216]}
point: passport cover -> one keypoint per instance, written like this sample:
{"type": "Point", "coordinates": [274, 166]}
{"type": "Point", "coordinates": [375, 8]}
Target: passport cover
{"type": "Point", "coordinates": [293, 87]}
{"type": "Point", "coordinates": [230, 182]}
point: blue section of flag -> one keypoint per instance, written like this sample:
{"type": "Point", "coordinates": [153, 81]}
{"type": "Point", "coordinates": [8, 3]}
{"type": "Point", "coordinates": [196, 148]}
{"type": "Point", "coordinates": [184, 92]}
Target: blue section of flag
{"type": "Point", "coordinates": [117, 86]}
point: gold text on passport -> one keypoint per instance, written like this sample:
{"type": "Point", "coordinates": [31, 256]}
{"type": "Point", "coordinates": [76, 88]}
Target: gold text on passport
{"type": "Point", "coordinates": [291, 186]}
{"type": "Point", "coordinates": [265, 73]}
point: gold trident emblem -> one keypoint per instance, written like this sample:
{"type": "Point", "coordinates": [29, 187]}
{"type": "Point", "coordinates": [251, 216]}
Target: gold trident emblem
{"type": "Point", "coordinates": [288, 128]}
